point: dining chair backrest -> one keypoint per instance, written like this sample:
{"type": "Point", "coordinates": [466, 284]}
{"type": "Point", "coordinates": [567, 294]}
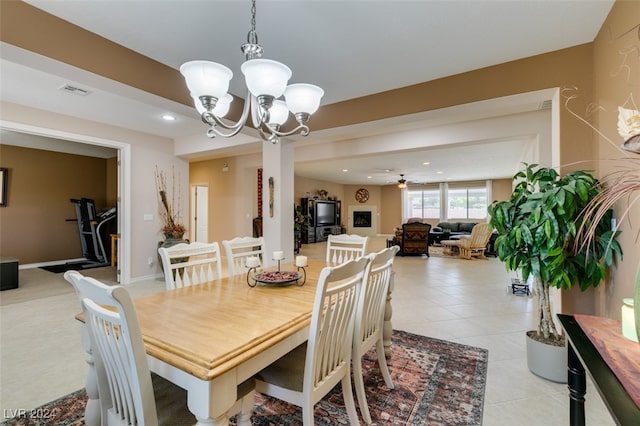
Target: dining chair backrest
{"type": "Point", "coordinates": [342, 248]}
{"type": "Point", "coordinates": [92, 410]}
{"type": "Point", "coordinates": [310, 371]}
{"type": "Point", "coordinates": [188, 264]}
{"type": "Point", "coordinates": [369, 321]}
{"type": "Point", "coordinates": [370, 314]}
{"type": "Point", "coordinates": [238, 249]}
{"type": "Point", "coordinates": [329, 345]}
{"type": "Point", "coordinates": [119, 353]}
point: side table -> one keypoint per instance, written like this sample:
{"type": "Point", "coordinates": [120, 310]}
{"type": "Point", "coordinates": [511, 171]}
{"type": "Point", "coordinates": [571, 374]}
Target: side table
{"type": "Point", "coordinates": [583, 357]}
{"type": "Point", "coordinates": [8, 273]}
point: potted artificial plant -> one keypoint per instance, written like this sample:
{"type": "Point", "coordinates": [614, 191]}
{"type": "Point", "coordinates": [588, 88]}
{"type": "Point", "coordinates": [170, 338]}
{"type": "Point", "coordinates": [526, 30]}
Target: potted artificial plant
{"type": "Point", "coordinates": [172, 229]}
{"type": "Point", "coordinates": [299, 220]}
{"type": "Point", "coordinates": [536, 233]}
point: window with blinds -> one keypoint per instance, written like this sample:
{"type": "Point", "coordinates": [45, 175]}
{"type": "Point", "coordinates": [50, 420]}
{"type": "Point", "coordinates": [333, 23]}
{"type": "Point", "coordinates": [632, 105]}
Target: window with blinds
{"type": "Point", "coordinates": [424, 203]}
{"type": "Point", "coordinates": [459, 200]}
{"type": "Point", "coordinates": [467, 200]}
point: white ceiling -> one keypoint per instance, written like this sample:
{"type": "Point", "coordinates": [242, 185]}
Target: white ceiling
{"type": "Point", "coordinates": [350, 48]}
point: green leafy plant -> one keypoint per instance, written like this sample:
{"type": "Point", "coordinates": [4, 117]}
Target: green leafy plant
{"type": "Point", "coordinates": [299, 219]}
{"type": "Point", "coordinates": [536, 234]}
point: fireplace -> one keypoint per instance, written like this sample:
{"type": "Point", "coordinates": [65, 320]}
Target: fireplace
{"type": "Point", "coordinates": [361, 219]}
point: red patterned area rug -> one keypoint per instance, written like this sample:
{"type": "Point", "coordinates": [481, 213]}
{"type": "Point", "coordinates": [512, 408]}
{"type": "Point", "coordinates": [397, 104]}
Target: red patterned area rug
{"type": "Point", "coordinates": [436, 383]}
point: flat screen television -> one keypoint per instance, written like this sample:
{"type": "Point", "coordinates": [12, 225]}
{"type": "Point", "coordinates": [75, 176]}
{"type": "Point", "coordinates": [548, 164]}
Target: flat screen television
{"type": "Point", "coordinates": [325, 213]}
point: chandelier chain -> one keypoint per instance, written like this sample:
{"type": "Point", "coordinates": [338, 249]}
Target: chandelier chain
{"type": "Point", "coordinates": [253, 16]}
{"type": "Point", "coordinates": [252, 38]}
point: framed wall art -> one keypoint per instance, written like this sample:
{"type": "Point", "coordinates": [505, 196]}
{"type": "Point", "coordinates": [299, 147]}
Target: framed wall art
{"type": "Point", "coordinates": [4, 177]}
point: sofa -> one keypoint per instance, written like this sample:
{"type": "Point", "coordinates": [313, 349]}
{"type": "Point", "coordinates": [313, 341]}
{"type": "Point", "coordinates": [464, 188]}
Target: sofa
{"type": "Point", "coordinates": [413, 238]}
{"type": "Point", "coordinates": [444, 230]}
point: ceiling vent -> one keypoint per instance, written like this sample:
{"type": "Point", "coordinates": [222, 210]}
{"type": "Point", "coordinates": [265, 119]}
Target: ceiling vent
{"type": "Point", "coordinates": [73, 89]}
{"type": "Point", "coordinates": [545, 105]}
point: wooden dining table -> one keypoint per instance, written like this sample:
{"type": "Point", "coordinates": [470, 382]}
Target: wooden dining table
{"type": "Point", "coordinates": [211, 337]}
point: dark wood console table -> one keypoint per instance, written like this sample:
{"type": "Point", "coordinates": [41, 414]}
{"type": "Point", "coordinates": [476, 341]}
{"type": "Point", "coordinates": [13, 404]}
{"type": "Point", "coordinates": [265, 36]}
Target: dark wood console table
{"type": "Point", "coordinates": [584, 356]}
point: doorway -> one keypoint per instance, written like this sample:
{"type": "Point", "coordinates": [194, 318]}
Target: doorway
{"type": "Point", "coordinates": [57, 141]}
{"type": "Point", "coordinates": [200, 213]}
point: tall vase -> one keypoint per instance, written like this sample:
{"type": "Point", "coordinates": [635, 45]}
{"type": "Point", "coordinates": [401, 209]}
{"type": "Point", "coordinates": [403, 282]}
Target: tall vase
{"type": "Point", "coordinates": [168, 242]}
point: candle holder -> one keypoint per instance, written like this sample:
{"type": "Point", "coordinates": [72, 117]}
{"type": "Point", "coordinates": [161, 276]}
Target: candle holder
{"type": "Point", "coordinates": [278, 260]}
{"type": "Point", "coordinates": [251, 282]}
{"type": "Point", "coordinates": [304, 276]}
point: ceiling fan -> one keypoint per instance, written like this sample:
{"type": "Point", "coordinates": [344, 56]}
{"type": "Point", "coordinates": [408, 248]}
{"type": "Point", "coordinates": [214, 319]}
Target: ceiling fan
{"type": "Point", "coordinates": [402, 182]}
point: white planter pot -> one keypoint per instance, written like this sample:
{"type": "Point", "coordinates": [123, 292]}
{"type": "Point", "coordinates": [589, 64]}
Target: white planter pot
{"type": "Point", "coordinates": [547, 361]}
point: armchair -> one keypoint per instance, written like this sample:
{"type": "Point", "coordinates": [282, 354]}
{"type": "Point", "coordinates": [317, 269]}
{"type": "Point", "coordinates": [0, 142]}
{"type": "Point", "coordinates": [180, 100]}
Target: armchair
{"type": "Point", "coordinates": [414, 239]}
{"type": "Point", "coordinates": [473, 245]}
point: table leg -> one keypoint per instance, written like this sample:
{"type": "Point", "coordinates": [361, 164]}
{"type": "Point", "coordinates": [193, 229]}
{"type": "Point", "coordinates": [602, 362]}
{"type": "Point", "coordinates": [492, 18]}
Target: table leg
{"type": "Point", "coordinates": [212, 401]}
{"type": "Point", "coordinates": [387, 328]}
{"type": "Point", "coordinates": [577, 384]}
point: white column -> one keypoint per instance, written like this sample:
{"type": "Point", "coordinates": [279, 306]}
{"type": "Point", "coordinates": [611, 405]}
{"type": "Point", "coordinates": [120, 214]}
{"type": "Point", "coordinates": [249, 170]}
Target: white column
{"type": "Point", "coordinates": [277, 204]}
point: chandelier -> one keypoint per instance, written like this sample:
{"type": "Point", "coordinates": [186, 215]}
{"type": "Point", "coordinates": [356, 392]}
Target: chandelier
{"type": "Point", "coordinates": [266, 82]}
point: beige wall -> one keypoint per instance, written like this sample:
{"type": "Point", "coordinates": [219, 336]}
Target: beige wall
{"type": "Point", "coordinates": [501, 189]}
{"type": "Point", "coordinates": [233, 194]}
{"type": "Point", "coordinates": [112, 181]}
{"type": "Point", "coordinates": [35, 225]}
{"type": "Point", "coordinates": [302, 186]}
{"type": "Point", "coordinates": [391, 208]}
{"type": "Point", "coordinates": [617, 77]}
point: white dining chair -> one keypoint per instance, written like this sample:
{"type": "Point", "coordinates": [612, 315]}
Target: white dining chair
{"type": "Point", "coordinates": [129, 393]}
{"type": "Point", "coordinates": [188, 264]}
{"type": "Point", "coordinates": [238, 249]}
{"type": "Point", "coordinates": [309, 372]}
{"type": "Point", "coordinates": [369, 322]}
{"type": "Point", "coordinates": [345, 247]}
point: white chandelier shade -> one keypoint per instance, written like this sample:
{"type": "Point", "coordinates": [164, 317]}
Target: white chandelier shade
{"type": "Point", "coordinates": [266, 81]}
{"type": "Point", "coordinates": [222, 106]}
{"type": "Point", "coordinates": [206, 78]}
{"type": "Point", "coordinates": [266, 77]}
{"type": "Point", "coordinates": [303, 98]}
{"type": "Point", "coordinates": [278, 113]}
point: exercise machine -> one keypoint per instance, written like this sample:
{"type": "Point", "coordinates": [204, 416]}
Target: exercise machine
{"type": "Point", "coordinates": [90, 227]}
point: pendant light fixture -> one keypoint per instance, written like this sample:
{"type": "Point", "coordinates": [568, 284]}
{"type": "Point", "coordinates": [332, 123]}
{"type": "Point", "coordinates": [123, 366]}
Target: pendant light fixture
{"type": "Point", "coordinates": [266, 82]}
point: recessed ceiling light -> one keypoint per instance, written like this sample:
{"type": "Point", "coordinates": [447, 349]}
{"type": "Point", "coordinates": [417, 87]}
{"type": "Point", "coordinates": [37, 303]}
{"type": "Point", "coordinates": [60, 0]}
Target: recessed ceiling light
{"type": "Point", "coordinates": [369, 177]}
{"type": "Point", "coordinates": [168, 117]}
{"type": "Point", "coordinates": [426, 163]}
{"type": "Point", "coordinates": [345, 170]}
{"type": "Point", "coordinates": [439, 172]}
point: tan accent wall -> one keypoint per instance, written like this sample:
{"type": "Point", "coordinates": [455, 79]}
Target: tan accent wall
{"type": "Point", "coordinates": [501, 189]}
{"type": "Point", "coordinates": [233, 194]}
{"type": "Point", "coordinates": [112, 181]}
{"type": "Point", "coordinates": [35, 225]}
{"type": "Point", "coordinates": [617, 74]}
{"type": "Point", "coordinates": [390, 208]}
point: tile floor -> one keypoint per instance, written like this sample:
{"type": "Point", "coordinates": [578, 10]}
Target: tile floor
{"type": "Point", "coordinates": [465, 301]}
